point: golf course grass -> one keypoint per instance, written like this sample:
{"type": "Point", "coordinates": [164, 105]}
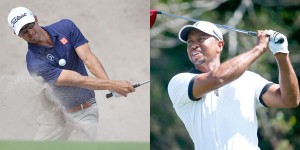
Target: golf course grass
{"type": "Point", "coordinates": [67, 145]}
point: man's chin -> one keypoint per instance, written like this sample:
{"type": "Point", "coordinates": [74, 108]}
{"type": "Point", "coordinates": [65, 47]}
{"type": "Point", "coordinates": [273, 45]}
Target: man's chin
{"type": "Point", "coordinates": [199, 62]}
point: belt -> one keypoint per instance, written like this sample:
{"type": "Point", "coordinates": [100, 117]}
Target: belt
{"type": "Point", "coordinates": [81, 106]}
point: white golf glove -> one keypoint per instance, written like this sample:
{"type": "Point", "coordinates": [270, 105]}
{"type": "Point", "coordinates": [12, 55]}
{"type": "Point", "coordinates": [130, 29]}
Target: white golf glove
{"type": "Point", "coordinates": [115, 94]}
{"type": "Point", "coordinates": [275, 45]}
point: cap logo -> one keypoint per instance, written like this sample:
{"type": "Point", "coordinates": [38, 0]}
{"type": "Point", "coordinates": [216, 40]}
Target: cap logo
{"type": "Point", "coordinates": [17, 18]}
{"type": "Point", "coordinates": [216, 34]}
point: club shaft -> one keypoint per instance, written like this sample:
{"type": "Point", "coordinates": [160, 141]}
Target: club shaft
{"type": "Point", "coordinates": [177, 16]}
{"type": "Point", "coordinates": [237, 30]}
{"type": "Point", "coordinates": [218, 25]}
{"type": "Point", "coordinates": [109, 95]}
{"type": "Point", "coordinates": [139, 84]}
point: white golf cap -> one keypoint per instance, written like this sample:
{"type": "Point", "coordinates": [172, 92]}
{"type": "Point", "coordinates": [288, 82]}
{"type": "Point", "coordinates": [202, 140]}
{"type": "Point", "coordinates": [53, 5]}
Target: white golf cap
{"type": "Point", "coordinates": [203, 26]}
{"type": "Point", "coordinates": [18, 17]}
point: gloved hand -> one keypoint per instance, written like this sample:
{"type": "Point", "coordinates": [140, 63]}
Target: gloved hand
{"type": "Point", "coordinates": [115, 94]}
{"type": "Point", "coordinates": [274, 43]}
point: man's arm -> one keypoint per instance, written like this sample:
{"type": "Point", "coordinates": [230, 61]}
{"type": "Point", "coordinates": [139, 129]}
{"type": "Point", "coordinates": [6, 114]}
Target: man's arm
{"type": "Point", "coordinates": [229, 70]}
{"type": "Point", "coordinates": [286, 93]}
{"type": "Point", "coordinates": [72, 78]}
{"type": "Point", "coordinates": [91, 61]}
{"type": "Point", "coordinates": [101, 82]}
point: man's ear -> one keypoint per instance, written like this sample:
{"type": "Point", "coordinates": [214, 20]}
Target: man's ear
{"type": "Point", "coordinates": [221, 45]}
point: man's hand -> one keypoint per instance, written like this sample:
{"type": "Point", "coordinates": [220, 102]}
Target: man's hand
{"type": "Point", "coordinates": [122, 88]}
{"type": "Point", "coordinates": [262, 40]}
{"type": "Point", "coordinates": [274, 44]}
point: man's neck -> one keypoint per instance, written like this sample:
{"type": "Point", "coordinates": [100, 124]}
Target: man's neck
{"type": "Point", "coordinates": [45, 38]}
{"type": "Point", "coordinates": [207, 67]}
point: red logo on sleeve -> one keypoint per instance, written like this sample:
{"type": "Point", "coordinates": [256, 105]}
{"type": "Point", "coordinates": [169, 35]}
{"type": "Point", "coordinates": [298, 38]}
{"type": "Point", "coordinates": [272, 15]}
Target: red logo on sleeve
{"type": "Point", "coordinates": [64, 40]}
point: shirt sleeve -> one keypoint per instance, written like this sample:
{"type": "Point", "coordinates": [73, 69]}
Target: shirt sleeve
{"type": "Point", "coordinates": [261, 85]}
{"type": "Point", "coordinates": [46, 71]}
{"type": "Point", "coordinates": [178, 89]}
{"type": "Point", "coordinates": [76, 37]}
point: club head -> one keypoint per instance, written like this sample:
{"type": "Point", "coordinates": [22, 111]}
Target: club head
{"type": "Point", "coordinates": [153, 14]}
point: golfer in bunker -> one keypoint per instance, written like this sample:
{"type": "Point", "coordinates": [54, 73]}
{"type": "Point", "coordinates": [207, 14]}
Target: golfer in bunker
{"type": "Point", "coordinates": [217, 101]}
{"type": "Point", "coordinates": [58, 53]}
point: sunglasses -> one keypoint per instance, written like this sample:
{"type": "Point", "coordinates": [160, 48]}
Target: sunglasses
{"type": "Point", "coordinates": [26, 27]}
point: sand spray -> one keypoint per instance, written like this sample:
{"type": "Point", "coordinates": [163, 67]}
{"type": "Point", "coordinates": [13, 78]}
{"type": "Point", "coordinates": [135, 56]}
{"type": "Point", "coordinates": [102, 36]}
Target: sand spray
{"type": "Point", "coordinates": [24, 100]}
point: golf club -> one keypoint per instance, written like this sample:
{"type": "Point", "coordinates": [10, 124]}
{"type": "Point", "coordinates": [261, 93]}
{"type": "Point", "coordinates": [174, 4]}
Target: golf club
{"type": "Point", "coordinates": [109, 95]}
{"type": "Point", "coordinates": [155, 12]}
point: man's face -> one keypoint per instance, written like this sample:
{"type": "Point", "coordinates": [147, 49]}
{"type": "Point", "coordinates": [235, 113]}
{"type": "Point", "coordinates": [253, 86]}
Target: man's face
{"type": "Point", "coordinates": [26, 27]}
{"type": "Point", "coordinates": [29, 33]}
{"type": "Point", "coordinates": [202, 47]}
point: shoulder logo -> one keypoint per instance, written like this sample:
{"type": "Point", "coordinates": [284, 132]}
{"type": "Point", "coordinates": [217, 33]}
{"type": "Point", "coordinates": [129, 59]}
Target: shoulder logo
{"type": "Point", "coordinates": [50, 57]}
{"type": "Point", "coordinates": [64, 40]}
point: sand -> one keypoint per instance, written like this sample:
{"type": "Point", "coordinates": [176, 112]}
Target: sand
{"type": "Point", "coordinates": [118, 34]}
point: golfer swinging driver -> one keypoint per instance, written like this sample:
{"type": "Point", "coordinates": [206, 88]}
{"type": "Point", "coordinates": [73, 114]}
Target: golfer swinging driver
{"type": "Point", "coordinates": [217, 101]}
